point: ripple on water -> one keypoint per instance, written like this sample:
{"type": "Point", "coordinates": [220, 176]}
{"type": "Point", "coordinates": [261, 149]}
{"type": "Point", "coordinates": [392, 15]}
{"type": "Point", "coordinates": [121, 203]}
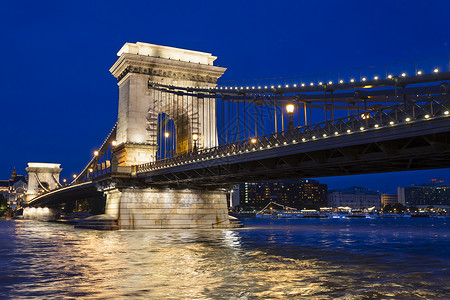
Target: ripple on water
{"type": "Point", "coordinates": [319, 259]}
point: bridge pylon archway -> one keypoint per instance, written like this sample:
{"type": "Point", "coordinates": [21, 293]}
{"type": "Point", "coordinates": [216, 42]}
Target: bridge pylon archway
{"type": "Point", "coordinates": [140, 104]}
{"type": "Point", "coordinates": [42, 177]}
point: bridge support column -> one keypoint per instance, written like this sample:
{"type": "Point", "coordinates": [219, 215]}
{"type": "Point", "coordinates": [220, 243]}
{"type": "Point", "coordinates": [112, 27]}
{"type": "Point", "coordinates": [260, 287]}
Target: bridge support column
{"type": "Point", "coordinates": [167, 208]}
{"type": "Point", "coordinates": [40, 213]}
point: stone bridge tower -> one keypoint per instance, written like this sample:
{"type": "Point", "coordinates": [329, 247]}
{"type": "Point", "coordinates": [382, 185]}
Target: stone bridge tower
{"type": "Point", "coordinates": [42, 177]}
{"type": "Point", "coordinates": [140, 104]}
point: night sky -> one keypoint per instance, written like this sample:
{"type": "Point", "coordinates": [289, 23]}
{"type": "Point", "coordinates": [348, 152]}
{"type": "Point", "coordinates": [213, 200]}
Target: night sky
{"type": "Point", "coordinates": [59, 101]}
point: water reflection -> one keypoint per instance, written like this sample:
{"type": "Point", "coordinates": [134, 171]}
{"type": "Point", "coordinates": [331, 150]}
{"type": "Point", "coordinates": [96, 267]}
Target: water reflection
{"type": "Point", "coordinates": [297, 260]}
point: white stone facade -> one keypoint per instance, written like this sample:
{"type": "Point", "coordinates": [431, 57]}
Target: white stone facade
{"type": "Point", "coordinates": [167, 208]}
{"type": "Point", "coordinates": [139, 105]}
{"type": "Point", "coordinates": [42, 177]}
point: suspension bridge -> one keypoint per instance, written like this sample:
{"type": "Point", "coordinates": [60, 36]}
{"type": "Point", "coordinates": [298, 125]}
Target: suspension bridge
{"type": "Point", "coordinates": [181, 140]}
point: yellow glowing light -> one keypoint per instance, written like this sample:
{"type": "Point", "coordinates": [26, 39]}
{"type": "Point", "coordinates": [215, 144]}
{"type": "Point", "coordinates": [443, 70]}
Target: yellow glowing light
{"type": "Point", "coordinates": [436, 70]}
{"type": "Point", "coordinates": [166, 134]}
{"type": "Point", "coordinates": [114, 143]}
{"type": "Point", "coordinates": [290, 108]}
{"type": "Point", "coordinates": [64, 180]}
{"type": "Point", "coordinates": [253, 140]}
{"type": "Point", "coordinates": [195, 137]}
{"type": "Point", "coordinates": [74, 176]}
{"type": "Point", "coordinates": [91, 170]}
{"type": "Point", "coordinates": [419, 72]}
{"type": "Point", "coordinates": [95, 153]}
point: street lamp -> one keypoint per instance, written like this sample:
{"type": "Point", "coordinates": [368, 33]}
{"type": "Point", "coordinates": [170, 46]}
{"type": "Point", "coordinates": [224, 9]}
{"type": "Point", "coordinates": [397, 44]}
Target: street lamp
{"type": "Point", "coordinates": [95, 153]}
{"type": "Point", "coordinates": [290, 111]}
{"type": "Point", "coordinates": [74, 176]}
{"type": "Point", "coordinates": [195, 138]}
{"type": "Point", "coordinates": [166, 135]}
{"type": "Point", "coordinates": [114, 143]}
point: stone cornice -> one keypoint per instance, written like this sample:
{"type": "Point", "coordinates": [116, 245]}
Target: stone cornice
{"type": "Point", "coordinates": [166, 68]}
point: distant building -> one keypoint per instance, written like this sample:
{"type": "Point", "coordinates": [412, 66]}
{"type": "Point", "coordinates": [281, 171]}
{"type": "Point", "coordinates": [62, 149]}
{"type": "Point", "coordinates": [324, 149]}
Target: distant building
{"type": "Point", "coordinates": [300, 194]}
{"type": "Point", "coordinates": [436, 193]}
{"type": "Point", "coordinates": [14, 189]}
{"type": "Point", "coordinates": [388, 199]}
{"type": "Point", "coordinates": [354, 197]}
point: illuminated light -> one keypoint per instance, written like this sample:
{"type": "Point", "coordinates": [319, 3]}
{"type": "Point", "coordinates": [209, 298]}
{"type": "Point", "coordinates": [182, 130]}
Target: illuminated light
{"type": "Point", "coordinates": [276, 144]}
{"type": "Point", "coordinates": [419, 72]}
{"type": "Point", "coordinates": [166, 134]}
{"type": "Point", "coordinates": [236, 88]}
{"type": "Point", "coordinates": [95, 153]}
{"type": "Point", "coordinates": [427, 116]}
{"type": "Point", "coordinates": [284, 143]}
{"type": "Point", "coordinates": [259, 87]}
{"type": "Point", "coordinates": [74, 176]}
{"type": "Point", "coordinates": [242, 87]}
{"type": "Point", "coordinates": [391, 123]}
{"type": "Point", "coordinates": [253, 140]}
{"type": "Point", "coordinates": [364, 79]}
{"type": "Point", "coordinates": [361, 128]}
{"type": "Point", "coordinates": [91, 170]}
{"type": "Point", "coordinates": [303, 139]}
{"type": "Point", "coordinates": [64, 180]}
{"type": "Point", "coordinates": [341, 81]}
{"type": "Point", "coordinates": [336, 133]}
{"type": "Point", "coordinates": [403, 74]}
{"type": "Point", "coordinates": [390, 76]}
{"type": "Point", "coordinates": [272, 87]}
{"type": "Point", "coordinates": [324, 135]}
{"type": "Point", "coordinates": [446, 112]}
{"type": "Point", "coordinates": [352, 80]}
{"type": "Point", "coordinates": [311, 84]}
{"type": "Point", "coordinates": [287, 85]}
{"type": "Point", "coordinates": [303, 84]}
{"type": "Point", "coordinates": [260, 148]}
{"type": "Point", "coordinates": [290, 108]}
{"type": "Point", "coordinates": [330, 82]}
{"type": "Point", "coordinates": [265, 86]}
{"type": "Point", "coordinates": [348, 131]}
{"type": "Point", "coordinates": [279, 86]}
{"type": "Point", "coordinates": [313, 137]}
{"type": "Point", "coordinates": [376, 125]}
{"type": "Point", "coordinates": [320, 83]}
{"type": "Point", "coordinates": [295, 85]}
{"type": "Point", "coordinates": [436, 70]}
{"type": "Point", "coordinates": [114, 143]}
{"type": "Point", "coordinates": [376, 78]}
{"type": "Point", "coordinates": [268, 146]}
{"type": "Point", "coordinates": [246, 87]}
{"type": "Point", "coordinates": [253, 87]}
{"type": "Point", "coordinates": [294, 141]}
{"type": "Point", "coordinates": [408, 119]}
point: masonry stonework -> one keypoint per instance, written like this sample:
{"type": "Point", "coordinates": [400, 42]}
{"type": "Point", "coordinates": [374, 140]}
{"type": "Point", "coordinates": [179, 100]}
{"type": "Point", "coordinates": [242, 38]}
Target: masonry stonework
{"type": "Point", "coordinates": [167, 208]}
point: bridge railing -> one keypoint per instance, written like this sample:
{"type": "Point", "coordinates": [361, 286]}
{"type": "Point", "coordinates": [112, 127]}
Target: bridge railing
{"type": "Point", "coordinates": [406, 112]}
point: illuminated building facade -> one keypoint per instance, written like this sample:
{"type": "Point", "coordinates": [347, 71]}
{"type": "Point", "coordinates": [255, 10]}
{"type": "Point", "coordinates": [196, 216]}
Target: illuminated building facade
{"type": "Point", "coordinates": [390, 199]}
{"type": "Point", "coordinates": [300, 194]}
{"type": "Point", "coordinates": [436, 194]}
{"type": "Point", "coordinates": [355, 197]}
{"type": "Point", "coordinates": [14, 189]}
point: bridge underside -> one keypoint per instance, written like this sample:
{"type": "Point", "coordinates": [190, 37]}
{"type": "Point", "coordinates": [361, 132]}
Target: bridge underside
{"type": "Point", "coordinates": [402, 149]}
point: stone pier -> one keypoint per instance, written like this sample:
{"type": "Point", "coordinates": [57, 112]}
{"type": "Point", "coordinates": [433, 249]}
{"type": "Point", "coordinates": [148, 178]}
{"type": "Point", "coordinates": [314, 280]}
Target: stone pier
{"type": "Point", "coordinates": [40, 213]}
{"type": "Point", "coordinates": [152, 208]}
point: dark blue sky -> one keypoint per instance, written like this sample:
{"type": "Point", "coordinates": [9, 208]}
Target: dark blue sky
{"type": "Point", "coordinates": [58, 99]}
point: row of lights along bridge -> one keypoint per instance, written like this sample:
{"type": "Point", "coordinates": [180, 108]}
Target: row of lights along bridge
{"type": "Point", "coordinates": [390, 76]}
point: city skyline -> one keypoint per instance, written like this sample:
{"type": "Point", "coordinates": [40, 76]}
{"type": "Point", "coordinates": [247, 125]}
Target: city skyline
{"type": "Point", "coordinates": [61, 101]}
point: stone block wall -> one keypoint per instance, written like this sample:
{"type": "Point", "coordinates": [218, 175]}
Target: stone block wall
{"type": "Point", "coordinates": [167, 208]}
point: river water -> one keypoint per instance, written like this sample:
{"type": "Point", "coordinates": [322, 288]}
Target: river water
{"type": "Point", "coordinates": [269, 259]}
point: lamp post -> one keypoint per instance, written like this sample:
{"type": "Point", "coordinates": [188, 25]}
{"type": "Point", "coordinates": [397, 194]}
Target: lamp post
{"type": "Point", "coordinates": [195, 138]}
{"type": "Point", "coordinates": [290, 111]}
{"type": "Point", "coordinates": [166, 135]}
